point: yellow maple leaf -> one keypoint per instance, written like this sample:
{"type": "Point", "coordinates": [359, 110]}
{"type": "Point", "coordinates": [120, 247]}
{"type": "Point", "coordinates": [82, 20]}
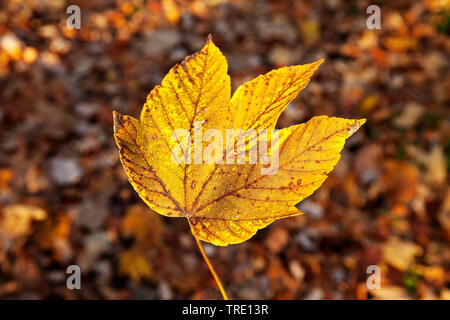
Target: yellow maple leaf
{"type": "Point", "coordinates": [226, 203]}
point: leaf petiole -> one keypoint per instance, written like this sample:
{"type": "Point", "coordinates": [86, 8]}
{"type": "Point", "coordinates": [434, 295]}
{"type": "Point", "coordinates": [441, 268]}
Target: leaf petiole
{"type": "Point", "coordinates": [219, 284]}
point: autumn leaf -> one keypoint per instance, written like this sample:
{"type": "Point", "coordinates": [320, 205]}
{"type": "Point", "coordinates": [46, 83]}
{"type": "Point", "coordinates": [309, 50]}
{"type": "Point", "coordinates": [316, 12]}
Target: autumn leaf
{"type": "Point", "coordinates": [144, 227]}
{"type": "Point", "coordinates": [226, 203]}
{"type": "Point", "coordinates": [54, 236]}
{"type": "Point", "coordinates": [134, 263]}
{"type": "Point", "coordinates": [146, 230]}
{"type": "Point", "coordinates": [16, 220]}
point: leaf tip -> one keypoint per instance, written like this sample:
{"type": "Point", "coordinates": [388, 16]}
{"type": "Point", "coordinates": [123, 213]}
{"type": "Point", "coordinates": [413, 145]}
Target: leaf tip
{"type": "Point", "coordinates": [209, 42]}
{"type": "Point", "coordinates": [117, 123]}
{"type": "Point", "coordinates": [355, 126]}
{"type": "Point", "coordinates": [315, 65]}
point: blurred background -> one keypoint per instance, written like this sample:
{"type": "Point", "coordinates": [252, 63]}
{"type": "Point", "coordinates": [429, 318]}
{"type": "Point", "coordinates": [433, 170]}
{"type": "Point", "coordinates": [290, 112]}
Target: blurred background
{"type": "Point", "coordinates": [65, 198]}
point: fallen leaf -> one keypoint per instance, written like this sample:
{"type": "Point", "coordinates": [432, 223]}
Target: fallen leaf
{"type": "Point", "coordinates": [400, 254]}
{"type": "Point", "coordinates": [277, 239]}
{"type": "Point", "coordinates": [390, 293]}
{"type": "Point", "coordinates": [171, 11]}
{"type": "Point", "coordinates": [143, 225]}
{"type": "Point", "coordinates": [445, 294]}
{"type": "Point", "coordinates": [434, 162]}
{"type": "Point", "coordinates": [134, 263]}
{"type": "Point", "coordinates": [444, 214]}
{"type": "Point", "coordinates": [6, 176]}
{"type": "Point", "coordinates": [400, 43]}
{"type": "Point", "coordinates": [54, 235]}
{"type": "Point", "coordinates": [16, 219]}
{"type": "Point", "coordinates": [226, 203]}
{"type": "Point", "coordinates": [409, 116]}
{"type": "Point", "coordinates": [433, 274]}
{"type": "Point", "coordinates": [399, 182]}
{"type": "Point", "coordinates": [369, 102]}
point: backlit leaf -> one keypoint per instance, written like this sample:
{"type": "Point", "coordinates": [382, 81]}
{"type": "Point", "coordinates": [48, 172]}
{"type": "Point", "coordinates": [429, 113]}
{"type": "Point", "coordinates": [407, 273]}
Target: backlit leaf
{"type": "Point", "coordinates": [227, 203]}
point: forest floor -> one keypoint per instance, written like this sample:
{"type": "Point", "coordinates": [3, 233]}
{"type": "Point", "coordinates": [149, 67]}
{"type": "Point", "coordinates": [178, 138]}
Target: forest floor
{"type": "Point", "coordinates": [65, 198]}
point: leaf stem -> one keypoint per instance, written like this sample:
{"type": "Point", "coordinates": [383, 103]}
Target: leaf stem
{"type": "Point", "coordinates": [219, 284]}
